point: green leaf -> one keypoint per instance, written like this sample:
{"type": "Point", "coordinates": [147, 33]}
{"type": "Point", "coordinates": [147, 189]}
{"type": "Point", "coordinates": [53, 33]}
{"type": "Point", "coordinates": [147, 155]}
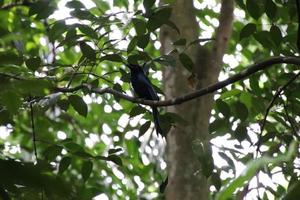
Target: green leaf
{"type": "Point", "coordinates": [246, 158]}
{"type": "Point", "coordinates": [33, 86]}
{"type": "Point", "coordinates": [10, 57]}
{"type": "Point", "coordinates": [203, 152]}
{"type": "Point", "coordinates": [11, 100]}
{"type": "Point", "coordinates": [158, 18]}
{"type": "Point", "coordinates": [78, 104]}
{"type": "Point", "coordinates": [148, 4]}
{"type": "Point", "coordinates": [87, 51]}
{"type": "Point", "coordinates": [267, 136]}
{"type": "Point", "coordinates": [52, 152]}
{"type": "Point", "coordinates": [240, 132]}
{"type": "Point", "coordinates": [95, 83]}
{"type": "Point", "coordinates": [241, 111]}
{"type": "Point", "coordinates": [223, 107]}
{"type": "Point", "coordinates": [139, 26]}
{"type": "Point", "coordinates": [246, 99]}
{"type": "Point", "coordinates": [264, 38]}
{"type": "Point", "coordinates": [137, 110]}
{"type": "Point", "coordinates": [143, 41]}
{"type": "Point", "coordinates": [86, 170]}
{"type": "Point", "coordinates": [276, 35]}
{"type": "Point", "coordinates": [42, 9]}
{"type": "Point", "coordinates": [63, 104]}
{"type": "Point", "coordinates": [113, 151]}
{"type": "Point", "coordinates": [186, 61]}
{"type": "Point", "coordinates": [75, 4]}
{"type": "Point", "coordinates": [174, 118]}
{"type": "Point", "coordinates": [227, 159]}
{"type": "Point", "coordinates": [132, 44]}
{"type": "Point", "coordinates": [144, 128]}
{"type": "Point", "coordinates": [72, 146]}
{"type": "Point", "coordinates": [57, 30]}
{"type": "Point", "coordinates": [216, 180]}
{"type": "Point", "coordinates": [219, 126]}
{"type": "Point", "coordinates": [166, 60]}
{"type": "Point", "coordinates": [293, 191]}
{"type": "Point", "coordinates": [253, 9]}
{"type": "Point", "coordinates": [248, 30]}
{"type": "Point", "coordinates": [5, 117]}
{"type": "Point", "coordinates": [115, 159]}
{"type": "Point", "coordinates": [112, 57]}
{"type": "Point", "coordinates": [125, 76]}
{"type": "Point", "coordinates": [271, 9]}
{"type": "Point", "coordinates": [163, 185]}
{"type": "Point", "coordinates": [118, 87]}
{"type": "Point", "coordinates": [71, 34]}
{"type": "Point", "coordinates": [241, 4]}
{"type": "Point", "coordinates": [33, 63]}
{"type": "Point", "coordinates": [71, 38]}
{"type": "Point", "coordinates": [82, 14]}
{"type": "Point", "coordinates": [134, 58]}
{"type": "Point", "coordinates": [180, 42]}
{"type": "Point", "coordinates": [88, 31]}
{"type": "Point", "coordinates": [82, 154]}
{"type": "Point", "coordinates": [251, 170]}
{"type": "Point", "coordinates": [120, 3]}
{"type": "Point", "coordinates": [166, 124]}
{"type": "Point", "coordinates": [163, 14]}
{"type": "Point", "coordinates": [230, 93]}
{"type": "Point", "coordinates": [64, 164]}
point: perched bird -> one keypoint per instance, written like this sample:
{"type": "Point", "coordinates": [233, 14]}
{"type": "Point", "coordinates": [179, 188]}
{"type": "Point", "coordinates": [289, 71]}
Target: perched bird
{"type": "Point", "coordinates": [144, 89]}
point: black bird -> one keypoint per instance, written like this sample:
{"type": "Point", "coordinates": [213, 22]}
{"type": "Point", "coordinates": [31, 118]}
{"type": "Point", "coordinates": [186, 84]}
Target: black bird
{"type": "Point", "coordinates": [144, 89]}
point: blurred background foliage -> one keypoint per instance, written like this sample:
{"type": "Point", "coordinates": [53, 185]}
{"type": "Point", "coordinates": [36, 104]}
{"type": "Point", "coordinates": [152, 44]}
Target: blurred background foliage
{"type": "Point", "coordinates": [89, 144]}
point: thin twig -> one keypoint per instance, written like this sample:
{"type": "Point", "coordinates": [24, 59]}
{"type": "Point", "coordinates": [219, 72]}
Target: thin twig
{"type": "Point", "coordinates": [33, 131]}
{"type": "Point", "coordinates": [73, 74]}
{"type": "Point", "coordinates": [277, 94]}
{"type": "Point", "coordinates": [111, 72]}
{"type": "Point", "coordinates": [290, 120]}
{"type": "Point", "coordinates": [93, 74]}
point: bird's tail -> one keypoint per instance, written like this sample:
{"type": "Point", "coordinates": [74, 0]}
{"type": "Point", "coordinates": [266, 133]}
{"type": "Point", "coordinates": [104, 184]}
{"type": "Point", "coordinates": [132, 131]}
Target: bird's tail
{"type": "Point", "coordinates": [157, 121]}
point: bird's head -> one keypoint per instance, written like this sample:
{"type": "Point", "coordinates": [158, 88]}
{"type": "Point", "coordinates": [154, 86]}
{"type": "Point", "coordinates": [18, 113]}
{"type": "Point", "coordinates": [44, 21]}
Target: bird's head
{"type": "Point", "coordinates": [134, 67]}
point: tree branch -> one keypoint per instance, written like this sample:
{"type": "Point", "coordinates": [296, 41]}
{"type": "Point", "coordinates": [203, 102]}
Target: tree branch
{"type": "Point", "coordinates": [289, 119]}
{"type": "Point", "coordinates": [251, 69]}
{"type": "Point", "coordinates": [223, 32]}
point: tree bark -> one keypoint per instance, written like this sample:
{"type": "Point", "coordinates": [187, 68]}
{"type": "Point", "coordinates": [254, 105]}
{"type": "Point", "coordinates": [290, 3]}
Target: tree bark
{"type": "Point", "coordinates": [184, 170]}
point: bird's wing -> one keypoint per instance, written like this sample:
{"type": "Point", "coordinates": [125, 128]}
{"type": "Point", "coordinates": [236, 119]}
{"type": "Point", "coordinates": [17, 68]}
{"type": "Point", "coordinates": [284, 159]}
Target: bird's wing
{"type": "Point", "coordinates": [150, 89]}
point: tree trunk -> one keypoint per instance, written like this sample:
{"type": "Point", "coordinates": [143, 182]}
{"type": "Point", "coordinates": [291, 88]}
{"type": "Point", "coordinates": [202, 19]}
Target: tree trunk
{"type": "Point", "coordinates": [184, 169]}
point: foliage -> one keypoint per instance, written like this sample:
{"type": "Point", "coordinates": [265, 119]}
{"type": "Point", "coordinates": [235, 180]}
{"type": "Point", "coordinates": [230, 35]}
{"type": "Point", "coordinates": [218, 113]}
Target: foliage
{"type": "Point", "coordinates": [88, 144]}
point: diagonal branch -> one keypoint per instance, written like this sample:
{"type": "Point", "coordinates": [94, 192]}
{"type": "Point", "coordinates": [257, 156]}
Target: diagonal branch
{"type": "Point", "coordinates": [251, 69]}
{"type": "Point", "coordinates": [289, 119]}
{"type": "Point", "coordinates": [198, 93]}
